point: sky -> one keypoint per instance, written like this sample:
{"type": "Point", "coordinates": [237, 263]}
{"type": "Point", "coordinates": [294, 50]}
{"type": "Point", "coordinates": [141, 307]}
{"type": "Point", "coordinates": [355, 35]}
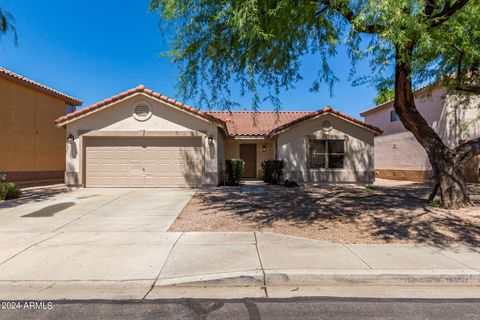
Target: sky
{"type": "Point", "coordinates": [95, 49]}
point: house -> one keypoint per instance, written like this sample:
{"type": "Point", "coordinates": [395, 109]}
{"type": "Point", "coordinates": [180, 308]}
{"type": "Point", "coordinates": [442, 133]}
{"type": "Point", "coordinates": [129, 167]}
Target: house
{"type": "Point", "coordinates": [141, 138]}
{"type": "Point", "coordinates": [31, 147]}
{"type": "Point", "coordinates": [398, 155]}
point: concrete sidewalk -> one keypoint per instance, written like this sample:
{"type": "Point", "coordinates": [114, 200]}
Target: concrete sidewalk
{"type": "Point", "coordinates": [150, 265]}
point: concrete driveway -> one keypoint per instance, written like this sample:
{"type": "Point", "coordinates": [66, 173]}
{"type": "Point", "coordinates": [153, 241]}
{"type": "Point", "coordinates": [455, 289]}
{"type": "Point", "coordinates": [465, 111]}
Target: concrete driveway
{"type": "Point", "coordinates": [85, 235]}
{"type": "Point", "coordinates": [97, 210]}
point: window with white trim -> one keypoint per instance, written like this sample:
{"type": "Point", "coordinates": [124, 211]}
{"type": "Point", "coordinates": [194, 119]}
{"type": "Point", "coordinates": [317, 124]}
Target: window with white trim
{"type": "Point", "coordinates": [326, 154]}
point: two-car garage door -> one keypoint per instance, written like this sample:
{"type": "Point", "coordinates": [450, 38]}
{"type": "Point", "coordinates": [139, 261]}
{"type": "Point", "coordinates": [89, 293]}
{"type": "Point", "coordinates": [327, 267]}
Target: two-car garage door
{"type": "Point", "coordinates": [143, 162]}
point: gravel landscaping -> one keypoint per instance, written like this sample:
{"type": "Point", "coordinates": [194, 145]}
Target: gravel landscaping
{"type": "Point", "coordinates": [390, 212]}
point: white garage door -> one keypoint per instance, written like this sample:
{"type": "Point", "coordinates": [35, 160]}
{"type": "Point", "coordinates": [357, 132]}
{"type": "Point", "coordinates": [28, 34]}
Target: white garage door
{"type": "Point", "coordinates": [144, 162]}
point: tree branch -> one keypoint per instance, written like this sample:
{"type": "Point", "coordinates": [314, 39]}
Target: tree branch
{"type": "Point", "coordinates": [468, 88]}
{"type": "Point", "coordinates": [447, 11]}
{"type": "Point", "coordinates": [468, 150]}
{"type": "Point", "coordinates": [344, 10]}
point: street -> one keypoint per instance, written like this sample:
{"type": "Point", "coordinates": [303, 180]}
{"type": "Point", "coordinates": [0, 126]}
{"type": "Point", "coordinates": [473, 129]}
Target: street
{"type": "Point", "coordinates": [298, 308]}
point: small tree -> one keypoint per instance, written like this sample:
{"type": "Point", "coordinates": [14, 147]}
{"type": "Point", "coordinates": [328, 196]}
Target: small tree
{"type": "Point", "coordinates": [260, 43]}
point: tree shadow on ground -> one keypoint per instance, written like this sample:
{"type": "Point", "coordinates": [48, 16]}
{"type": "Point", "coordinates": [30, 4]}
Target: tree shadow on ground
{"type": "Point", "coordinates": [34, 193]}
{"type": "Point", "coordinates": [388, 214]}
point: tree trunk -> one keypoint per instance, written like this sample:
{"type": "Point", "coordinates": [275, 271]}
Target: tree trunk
{"type": "Point", "coordinates": [451, 183]}
{"type": "Point", "coordinates": [446, 166]}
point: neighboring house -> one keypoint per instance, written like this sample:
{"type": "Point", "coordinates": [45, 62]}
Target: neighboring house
{"type": "Point", "coordinates": [398, 155]}
{"type": "Point", "coordinates": [31, 147]}
{"type": "Point", "coordinates": [140, 138]}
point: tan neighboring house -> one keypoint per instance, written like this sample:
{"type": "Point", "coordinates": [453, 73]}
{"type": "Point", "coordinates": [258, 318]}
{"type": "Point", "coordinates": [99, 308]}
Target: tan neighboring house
{"type": "Point", "coordinates": [399, 156]}
{"type": "Point", "coordinates": [141, 138]}
{"type": "Point", "coordinates": [32, 148]}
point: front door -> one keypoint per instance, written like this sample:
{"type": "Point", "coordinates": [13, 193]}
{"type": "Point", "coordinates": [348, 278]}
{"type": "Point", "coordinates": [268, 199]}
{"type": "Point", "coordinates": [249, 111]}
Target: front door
{"type": "Point", "coordinates": [248, 153]}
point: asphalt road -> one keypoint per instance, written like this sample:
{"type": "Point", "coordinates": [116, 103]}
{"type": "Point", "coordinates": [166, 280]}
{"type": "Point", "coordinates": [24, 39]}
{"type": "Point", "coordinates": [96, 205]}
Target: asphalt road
{"type": "Point", "coordinates": [299, 308]}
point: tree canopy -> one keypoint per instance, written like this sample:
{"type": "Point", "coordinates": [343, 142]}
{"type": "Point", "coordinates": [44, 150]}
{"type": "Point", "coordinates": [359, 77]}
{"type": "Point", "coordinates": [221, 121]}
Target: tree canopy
{"type": "Point", "coordinates": [384, 94]}
{"type": "Point", "coordinates": [260, 43]}
{"type": "Point", "coordinates": [6, 24]}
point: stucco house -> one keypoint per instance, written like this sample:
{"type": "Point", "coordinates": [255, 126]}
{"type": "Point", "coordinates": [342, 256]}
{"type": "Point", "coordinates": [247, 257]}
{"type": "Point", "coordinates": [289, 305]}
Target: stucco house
{"type": "Point", "coordinates": [398, 155]}
{"type": "Point", "coordinates": [32, 148]}
{"type": "Point", "coordinates": [141, 138]}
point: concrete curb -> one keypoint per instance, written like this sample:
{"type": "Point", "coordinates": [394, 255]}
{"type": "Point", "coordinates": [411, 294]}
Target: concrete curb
{"type": "Point", "coordinates": [327, 277]}
{"type": "Point", "coordinates": [376, 277]}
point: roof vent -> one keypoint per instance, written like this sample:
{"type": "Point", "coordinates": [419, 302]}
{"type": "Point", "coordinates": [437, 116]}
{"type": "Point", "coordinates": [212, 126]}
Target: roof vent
{"type": "Point", "coordinates": [142, 111]}
{"type": "Point", "coordinates": [326, 125]}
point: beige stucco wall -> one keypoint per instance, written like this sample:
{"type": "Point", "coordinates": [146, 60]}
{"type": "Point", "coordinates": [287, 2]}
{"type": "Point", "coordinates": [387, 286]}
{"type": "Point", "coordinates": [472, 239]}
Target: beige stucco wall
{"type": "Point", "coordinates": [118, 118]}
{"type": "Point", "coordinates": [221, 154]}
{"type": "Point", "coordinates": [359, 151]}
{"type": "Point", "coordinates": [29, 139]}
{"type": "Point", "coordinates": [232, 151]}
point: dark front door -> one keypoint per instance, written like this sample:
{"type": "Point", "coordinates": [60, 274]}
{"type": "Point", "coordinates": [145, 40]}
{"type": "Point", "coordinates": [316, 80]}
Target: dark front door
{"type": "Point", "coordinates": [248, 153]}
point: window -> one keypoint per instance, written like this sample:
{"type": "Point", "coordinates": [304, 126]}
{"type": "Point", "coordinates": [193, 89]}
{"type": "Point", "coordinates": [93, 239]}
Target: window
{"type": "Point", "coordinates": [394, 116]}
{"type": "Point", "coordinates": [326, 154]}
{"type": "Point", "coordinates": [69, 109]}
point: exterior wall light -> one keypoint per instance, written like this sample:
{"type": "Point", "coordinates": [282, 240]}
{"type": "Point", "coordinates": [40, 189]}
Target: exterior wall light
{"type": "Point", "coordinates": [210, 139]}
{"type": "Point", "coordinates": [3, 176]}
{"type": "Point", "coordinates": [70, 138]}
{"type": "Point", "coordinates": [264, 148]}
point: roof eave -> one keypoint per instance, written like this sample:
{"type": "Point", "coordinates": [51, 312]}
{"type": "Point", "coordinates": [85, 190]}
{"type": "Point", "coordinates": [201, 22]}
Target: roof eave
{"type": "Point", "coordinates": [205, 117]}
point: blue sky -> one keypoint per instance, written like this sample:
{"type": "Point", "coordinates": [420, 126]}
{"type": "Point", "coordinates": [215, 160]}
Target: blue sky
{"type": "Point", "coordinates": [94, 49]}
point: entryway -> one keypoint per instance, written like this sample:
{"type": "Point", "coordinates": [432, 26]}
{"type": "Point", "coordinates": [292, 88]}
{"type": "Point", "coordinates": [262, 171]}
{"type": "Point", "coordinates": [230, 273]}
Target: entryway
{"type": "Point", "coordinates": [248, 153]}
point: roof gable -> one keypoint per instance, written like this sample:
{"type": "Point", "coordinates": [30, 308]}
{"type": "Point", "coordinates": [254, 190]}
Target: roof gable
{"type": "Point", "coordinates": [7, 74]}
{"type": "Point", "coordinates": [326, 110]}
{"type": "Point", "coordinates": [141, 89]}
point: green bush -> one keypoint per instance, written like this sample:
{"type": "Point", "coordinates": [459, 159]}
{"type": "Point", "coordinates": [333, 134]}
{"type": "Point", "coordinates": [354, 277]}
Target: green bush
{"type": "Point", "coordinates": [290, 183]}
{"type": "Point", "coordinates": [9, 191]}
{"type": "Point", "coordinates": [234, 171]}
{"type": "Point", "coordinates": [272, 170]}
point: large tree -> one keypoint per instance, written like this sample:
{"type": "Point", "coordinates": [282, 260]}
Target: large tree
{"type": "Point", "coordinates": [260, 44]}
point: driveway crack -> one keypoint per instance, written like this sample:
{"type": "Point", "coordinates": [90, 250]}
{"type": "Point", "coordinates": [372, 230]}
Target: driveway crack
{"type": "Point", "coordinates": [261, 266]}
{"type": "Point", "coordinates": [30, 246]}
{"type": "Point", "coordinates": [356, 255]}
{"type": "Point", "coordinates": [161, 270]}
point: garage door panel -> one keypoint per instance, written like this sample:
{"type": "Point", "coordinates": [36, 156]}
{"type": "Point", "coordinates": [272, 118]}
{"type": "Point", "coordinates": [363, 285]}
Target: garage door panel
{"type": "Point", "coordinates": [144, 162]}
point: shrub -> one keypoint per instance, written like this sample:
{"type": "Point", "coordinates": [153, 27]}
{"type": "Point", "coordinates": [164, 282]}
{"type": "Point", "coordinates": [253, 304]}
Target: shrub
{"type": "Point", "coordinates": [9, 191]}
{"type": "Point", "coordinates": [234, 171]}
{"type": "Point", "coordinates": [434, 203]}
{"type": "Point", "coordinates": [290, 183]}
{"type": "Point", "coordinates": [272, 170]}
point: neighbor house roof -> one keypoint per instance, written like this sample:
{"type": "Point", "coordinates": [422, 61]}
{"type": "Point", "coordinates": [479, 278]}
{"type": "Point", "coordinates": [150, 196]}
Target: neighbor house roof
{"type": "Point", "coordinates": [139, 89]}
{"type": "Point", "coordinates": [417, 93]}
{"type": "Point", "coordinates": [38, 86]}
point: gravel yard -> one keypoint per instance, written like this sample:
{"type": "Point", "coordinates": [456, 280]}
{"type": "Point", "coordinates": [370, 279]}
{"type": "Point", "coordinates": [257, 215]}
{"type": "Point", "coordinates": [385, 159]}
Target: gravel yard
{"type": "Point", "coordinates": [391, 212]}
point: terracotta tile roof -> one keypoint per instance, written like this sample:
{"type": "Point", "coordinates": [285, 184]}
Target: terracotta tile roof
{"type": "Point", "coordinates": [247, 123]}
{"type": "Point", "coordinates": [38, 86]}
{"type": "Point", "coordinates": [325, 111]}
{"type": "Point", "coordinates": [139, 89]}
{"type": "Point", "coordinates": [240, 123]}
